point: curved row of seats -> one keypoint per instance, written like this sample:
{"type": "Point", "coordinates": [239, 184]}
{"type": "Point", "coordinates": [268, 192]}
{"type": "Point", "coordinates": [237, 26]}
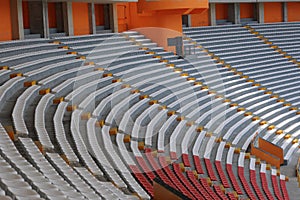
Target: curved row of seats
{"type": "Point", "coordinates": [58, 81]}
{"type": "Point", "coordinates": [122, 116]}
{"type": "Point", "coordinates": [264, 71]}
{"type": "Point", "coordinates": [283, 35]}
{"type": "Point", "coordinates": [167, 125]}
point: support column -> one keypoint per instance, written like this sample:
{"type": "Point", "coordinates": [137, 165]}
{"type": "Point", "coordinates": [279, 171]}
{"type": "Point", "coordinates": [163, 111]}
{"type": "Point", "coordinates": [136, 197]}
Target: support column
{"type": "Point", "coordinates": [237, 13]}
{"type": "Point", "coordinates": [189, 20]}
{"type": "Point", "coordinates": [260, 12]}
{"type": "Point", "coordinates": [108, 17]}
{"type": "Point", "coordinates": [59, 17]}
{"type": "Point", "coordinates": [39, 20]}
{"type": "Point", "coordinates": [234, 13]}
{"type": "Point", "coordinates": [17, 19]}
{"type": "Point", "coordinates": [68, 16]}
{"type": "Point", "coordinates": [92, 18]}
{"type": "Point", "coordinates": [114, 18]}
{"type": "Point", "coordinates": [212, 14]}
{"type": "Point", "coordinates": [46, 30]}
{"type": "Point", "coordinates": [285, 11]}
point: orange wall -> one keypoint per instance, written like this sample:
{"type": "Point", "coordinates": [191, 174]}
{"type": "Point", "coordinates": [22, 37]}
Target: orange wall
{"type": "Point", "coordinates": [123, 10]}
{"type": "Point", "coordinates": [26, 15]}
{"type": "Point", "coordinates": [52, 15]}
{"type": "Point", "coordinates": [293, 11]}
{"type": "Point", "coordinates": [81, 18]}
{"type": "Point", "coordinates": [263, 155]}
{"type": "Point", "coordinates": [162, 19]}
{"type": "Point", "coordinates": [221, 11]}
{"type": "Point", "coordinates": [146, 5]}
{"type": "Point", "coordinates": [273, 12]}
{"type": "Point", "coordinates": [164, 14]}
{"type": "Point", "coordinates": [271, 148]}
{"type": "Point", "coordinates": [246, 10]}
{"type": "Point", "coordinates": [5, 25]}
{"type": "Point", "coordinates": [99, 14]}
{"type": "Point", "coordinates": [201, 19]}
{"type": "Point", "coordinates": [158, 26]}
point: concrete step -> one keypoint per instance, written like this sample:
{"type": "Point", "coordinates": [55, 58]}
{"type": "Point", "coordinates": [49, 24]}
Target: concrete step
{"type": "Point", "coordinates": [26, 31]}
{"type": "Point", "coordinates": [103, 31]}
{"type": "Point", "coordinates": [32, 36]}
{"type": "Point", "coordinates": [99, 28]}
{"type": "Point", "coordinates": [53, 35]}
{"type": "Point", "coordinates": [52, 30]}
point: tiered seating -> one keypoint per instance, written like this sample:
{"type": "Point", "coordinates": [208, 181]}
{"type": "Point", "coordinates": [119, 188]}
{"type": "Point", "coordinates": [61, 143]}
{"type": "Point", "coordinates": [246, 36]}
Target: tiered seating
{"type": "Point", "coordinates": [283, 35]}
{"type": "Point", "coordinates": [130, 113]}
{"type": "Point", "coordinates": [45, 167]}
{"type": "Point", "coordinates": [283, 187]}
{"type": "Point", "coordinates": [253, 179]}
{"type": "Point", "coordinates": [247, 103]}
{"type": "Point", "coordinates": [237, 55]}
{"type": "Point", "coordinates": [275, 184]}
{"type": "Point", "coordinates": [161, 150]}
{"type": "Point", "coordinates": [60, 87]}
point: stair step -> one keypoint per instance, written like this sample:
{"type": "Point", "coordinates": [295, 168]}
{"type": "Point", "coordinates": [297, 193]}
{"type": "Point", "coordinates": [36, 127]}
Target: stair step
{"type": "Point", "coordinates": [53, 35]}
{"type": "Point", "coordinates": [100, 28]}
{"type": "Point", "coordinates": [52, 30]}
{"type": "Point", "coordinates": [32, 36]}
{"type": "Point", "coordinates": [104, 31]}
{"type": "Point", "coordinates": [26, 31]}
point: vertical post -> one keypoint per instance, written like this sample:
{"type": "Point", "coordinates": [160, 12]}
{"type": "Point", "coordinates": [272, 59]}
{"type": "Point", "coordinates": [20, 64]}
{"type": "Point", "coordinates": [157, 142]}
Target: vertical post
{"type": "Point", "coordinates": [178, 43]}
{"type": "Point", "coordinates": [17, 19]}
{"type": "Point", "coordinates": [237, 13]}
{"type": "Point", "coordinates": [45, 19]}
{"type": "Point", "coordinates": [68, 16]}
{"type": "Point", "coordinates": [92, 18]}
{"type": "Point", "coordinates": [114, 18]}
{"type": "Point", "coordinates": [189, 21]}
{"type": "Point", "coordinates": [255, 12]}
{"type": "Point", "coordinates": [212, 13]}
{"type": "Point", "coordinates": [285, 12]}
{"type": "Point", "coordinates": [59, 17]}
{"type": "Point", "coordinates": [261, 13]}
{"type": "Point", "coordinates": [108, 16]}
{"type": "Point", "coordinates": [234, 13]}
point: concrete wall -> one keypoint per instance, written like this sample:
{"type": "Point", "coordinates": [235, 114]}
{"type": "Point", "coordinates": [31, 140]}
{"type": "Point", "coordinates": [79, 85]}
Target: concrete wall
{"type": "Point", "coordinates": [5, 25]}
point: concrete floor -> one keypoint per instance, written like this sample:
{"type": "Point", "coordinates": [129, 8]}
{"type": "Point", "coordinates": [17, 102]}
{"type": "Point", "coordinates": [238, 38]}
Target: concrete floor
{"type": "Point", "coordinates": [290, 171]}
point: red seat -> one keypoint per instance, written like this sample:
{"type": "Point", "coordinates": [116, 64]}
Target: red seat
{"type": "Point", "coordinates": [185, 182]}
{"type": "Point", "coordinates": [142, 179]}
{"type": "Point", "coordinates": [220, 192]}
{"type": "Point", "coordinates": [210, 170]}
{"type": "Point", "coordinates": [159, 171]}
{"type": "Point", "coordinates": [265, 185]}
{"type": "Point", "coordinates": [145, 167]}
{"type": "Point", "coordinates": [245, 183]}
{"type": "Point", "coordinates": [173, 155]}
{"type": "Point", "coordinates": [221, 174]}
{"type": "Point", "coordinates": [284, 191]}
{"type": "Point", "coordinates": [199, 187]}
{"type": "Point", "coordinates": [172, 176]}
{"type": "Point", "coordinates": [186, 161]}
{"type": "Point", "coordinates": [255, 186]}
{"type": "Point", "coordinates": [233, 179]}
{"type": "Point", "coordinates": [148, 150]}
{"type": "Point", "coordinates": [231, 196]}
{"type": "Point", "coordinates": [276, 187]}
{"type": "Point", "coordinates": [198, 166]}
{"type": "Point", "coordinates": [208, 188]}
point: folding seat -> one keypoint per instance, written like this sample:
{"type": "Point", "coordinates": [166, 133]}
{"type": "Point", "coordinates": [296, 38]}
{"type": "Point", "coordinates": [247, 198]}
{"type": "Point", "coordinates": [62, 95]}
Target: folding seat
{"type": "Point", "coordinates": [210, 169]}
{"type": "Point", "coordinates": [221, 174]}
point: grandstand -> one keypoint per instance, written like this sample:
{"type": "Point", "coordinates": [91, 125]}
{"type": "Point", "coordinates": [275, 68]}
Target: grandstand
{"type": "Point", "coordinates": [94, 105]}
